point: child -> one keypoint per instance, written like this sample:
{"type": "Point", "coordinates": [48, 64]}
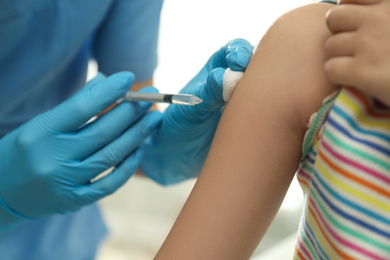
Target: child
{"type": "Point", "coordinates": [257, 147]}
{"type": "Point", "coordinates": [257, 150]}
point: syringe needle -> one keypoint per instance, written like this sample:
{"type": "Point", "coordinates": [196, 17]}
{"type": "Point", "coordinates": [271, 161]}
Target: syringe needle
{"type": "Point", "coordinates": [179, 99]}
{"type": "Point", "coordinates": [184, 99]}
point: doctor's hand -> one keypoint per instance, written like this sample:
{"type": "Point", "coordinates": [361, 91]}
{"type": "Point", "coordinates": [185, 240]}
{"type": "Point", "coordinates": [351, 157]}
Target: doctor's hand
{"type": "Point", "coordinates": [359, 49]}
{"type": "Point", "coordinates": [46, 165]}
{"type": "Point", "coordinates": [178, 150]}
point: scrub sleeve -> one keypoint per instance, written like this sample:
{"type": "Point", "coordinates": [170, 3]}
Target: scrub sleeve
{"type": "Point", "coordinates": [45, 49]}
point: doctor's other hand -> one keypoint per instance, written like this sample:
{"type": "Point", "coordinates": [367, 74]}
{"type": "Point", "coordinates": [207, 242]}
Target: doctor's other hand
{"type": "Point", "coordinates": [178, 150]}
{"type": "Point", "coordinates": [47, 164]}
{"type": "Point", "coordinates": [358, 51]}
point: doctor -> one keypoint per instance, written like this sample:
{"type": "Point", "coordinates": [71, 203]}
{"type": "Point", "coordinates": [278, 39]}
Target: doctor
{"type": "Point", "coordinates": [47, 160]}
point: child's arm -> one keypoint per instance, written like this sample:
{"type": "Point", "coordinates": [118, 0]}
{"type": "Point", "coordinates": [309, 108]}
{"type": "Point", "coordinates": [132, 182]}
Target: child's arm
{"type": "Point", "coordinates": [359, 49]}
{"type": "Point", "coordinates": [258, 143]}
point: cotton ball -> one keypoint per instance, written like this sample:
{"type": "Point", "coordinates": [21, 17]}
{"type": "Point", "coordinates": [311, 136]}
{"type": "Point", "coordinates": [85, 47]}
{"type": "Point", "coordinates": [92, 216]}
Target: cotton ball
{"type": "Point", "coordinates": [229, 83]}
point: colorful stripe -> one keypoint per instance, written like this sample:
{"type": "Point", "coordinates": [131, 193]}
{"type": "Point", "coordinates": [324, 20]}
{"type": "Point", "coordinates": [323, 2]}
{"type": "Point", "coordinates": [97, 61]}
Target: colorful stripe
{"type": "Point", "coordinates": [346, 180]}
{"type": "Point", "coordinates": [328, 1]}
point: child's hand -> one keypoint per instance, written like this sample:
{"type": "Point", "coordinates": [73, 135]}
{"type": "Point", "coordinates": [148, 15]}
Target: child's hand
{"type": "Point", "coordinates": [358, 52]}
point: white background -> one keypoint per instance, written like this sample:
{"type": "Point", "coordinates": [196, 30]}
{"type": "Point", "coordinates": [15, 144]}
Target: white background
{"type": "Point", "coordinates": [141, 213]}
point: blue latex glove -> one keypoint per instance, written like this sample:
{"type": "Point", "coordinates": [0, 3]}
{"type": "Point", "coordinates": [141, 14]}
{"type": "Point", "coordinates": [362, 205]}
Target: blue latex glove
{"type": "Point", "coordinates": [178, 150]}
{"type": "Point", "coordinates": [46, 165]}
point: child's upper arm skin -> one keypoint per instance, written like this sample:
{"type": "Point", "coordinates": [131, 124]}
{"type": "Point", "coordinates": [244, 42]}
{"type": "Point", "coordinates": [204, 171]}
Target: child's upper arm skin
{"type": "Point", "coordinates": [257, 146]}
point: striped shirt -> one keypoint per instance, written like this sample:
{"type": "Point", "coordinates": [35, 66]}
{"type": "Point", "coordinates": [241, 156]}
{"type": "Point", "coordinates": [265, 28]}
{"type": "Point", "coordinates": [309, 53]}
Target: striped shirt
{"type": "Point", "coordinates": [345, 176]}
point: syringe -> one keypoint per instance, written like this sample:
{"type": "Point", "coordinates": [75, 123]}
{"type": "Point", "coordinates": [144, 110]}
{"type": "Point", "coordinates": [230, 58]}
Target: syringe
{"type": "Point", "coordinates": [134, 96]}
{"type": "Point", "coordinates": [178, 99]}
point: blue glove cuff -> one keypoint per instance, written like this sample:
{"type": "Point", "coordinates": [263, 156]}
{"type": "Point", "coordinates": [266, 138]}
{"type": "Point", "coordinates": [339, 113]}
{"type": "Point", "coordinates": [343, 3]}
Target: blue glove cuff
{"type": "Point", "coordinates": [8, 217]}
{"type": "Point", "coordinates": [167, 164]}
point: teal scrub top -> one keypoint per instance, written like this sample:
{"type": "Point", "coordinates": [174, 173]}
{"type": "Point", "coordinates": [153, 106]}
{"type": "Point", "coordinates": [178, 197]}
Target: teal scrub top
{"type": "Point", "coordinates": [45, 47]}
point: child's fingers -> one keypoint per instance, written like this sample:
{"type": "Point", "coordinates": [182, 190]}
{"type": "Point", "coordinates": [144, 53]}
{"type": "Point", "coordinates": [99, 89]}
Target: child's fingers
{"type": "Point", "coordinates": [341, 70]}
{"type": "Point", "coordinates": [359, 2]}
{"type": "Point", "coordinates": [341, 44]}
{"type": "Point", "coordinates": [344, 18]}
